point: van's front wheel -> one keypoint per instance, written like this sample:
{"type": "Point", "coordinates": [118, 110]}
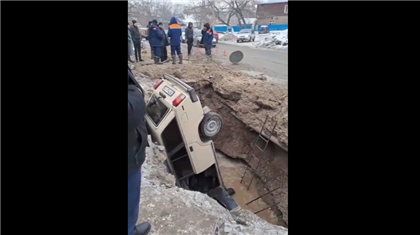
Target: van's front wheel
{"type": "Point", "coordinates": [211, 125]}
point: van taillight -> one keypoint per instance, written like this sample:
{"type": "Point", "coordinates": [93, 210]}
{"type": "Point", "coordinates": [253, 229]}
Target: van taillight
{"type": "Point", "coordinates": [178, 100]}
{"type": "Point", "coordinates": [157, 84]}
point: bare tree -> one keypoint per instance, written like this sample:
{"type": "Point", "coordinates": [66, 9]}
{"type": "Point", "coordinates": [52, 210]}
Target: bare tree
{"type": "Point", "coordinates": [224, 10]}
{"type": "Point", "coordinates": [238, 8]}
{"type": "Point", "coordinates": [146, 10]}
{"type": "Point", "coordinates": [200, 11]}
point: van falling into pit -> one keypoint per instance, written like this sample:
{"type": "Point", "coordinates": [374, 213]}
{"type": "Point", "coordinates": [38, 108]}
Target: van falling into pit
{"type": "Point", "coordinates": [176, 120]}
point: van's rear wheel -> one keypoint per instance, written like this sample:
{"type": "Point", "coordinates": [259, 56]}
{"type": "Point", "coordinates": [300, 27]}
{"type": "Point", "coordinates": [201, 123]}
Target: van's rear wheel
{"type": "Point", "coordinates": [210, 125]}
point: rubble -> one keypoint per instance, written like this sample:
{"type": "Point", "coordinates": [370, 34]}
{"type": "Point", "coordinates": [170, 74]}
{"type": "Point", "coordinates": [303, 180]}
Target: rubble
{"type": "Point", "coordinates": [172, 210]}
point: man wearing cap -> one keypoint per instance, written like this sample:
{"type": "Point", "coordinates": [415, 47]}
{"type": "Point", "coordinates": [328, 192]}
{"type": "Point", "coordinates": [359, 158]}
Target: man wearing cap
{"type": "Point", "coordinates": [155, 38]}
{"type": "Point", "coordinates": [207, 36]}
{"type": "Point", "coordinates": [165, 43]}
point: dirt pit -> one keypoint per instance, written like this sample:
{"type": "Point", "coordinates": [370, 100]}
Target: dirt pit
{"type": "Point", "coordinates": [232, 171]}
{"type": "Point", "coordinates": [243, 101]}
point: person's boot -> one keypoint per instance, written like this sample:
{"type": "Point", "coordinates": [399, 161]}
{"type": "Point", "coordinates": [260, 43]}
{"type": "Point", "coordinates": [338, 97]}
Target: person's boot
{"type": "Point", "coordinates": [157, 61]}
{"type": "Point", "coordinates": [180, 59]}
{"type": "Point", "coordinates": [142, 229]}
{"type": "Point", "coordinates": [141, 59]}
{"type": "Point", "coordinates": [129, 59]}
{"type": "Point", "coordinates": [188, 58]}
{"type": "Point", "coordinates": [173, 59]}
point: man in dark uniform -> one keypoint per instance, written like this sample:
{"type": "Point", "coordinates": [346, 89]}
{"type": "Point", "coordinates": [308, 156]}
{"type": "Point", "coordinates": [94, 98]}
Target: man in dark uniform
{"type": "Point", "coordinates": [175, 33]}
{"type": "Point", "coordinates": [155, 37]}
{"type": "Point", "coordinates": [137, 141]}
{"type": "Point", "coordinates": [207, 37]}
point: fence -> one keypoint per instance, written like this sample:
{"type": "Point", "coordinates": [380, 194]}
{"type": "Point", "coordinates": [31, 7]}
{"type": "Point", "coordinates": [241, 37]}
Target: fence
{"type": "Point", "coordinates": [237, 28]}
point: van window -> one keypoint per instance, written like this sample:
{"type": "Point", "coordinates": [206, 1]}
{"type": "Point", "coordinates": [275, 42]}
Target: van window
{"type": "Point", "coordinates": [156, 110]}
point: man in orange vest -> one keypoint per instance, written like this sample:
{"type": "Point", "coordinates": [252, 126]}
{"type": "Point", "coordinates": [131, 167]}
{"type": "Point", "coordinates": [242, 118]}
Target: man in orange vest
{"type": "Point", "coordinates": [175, 33]}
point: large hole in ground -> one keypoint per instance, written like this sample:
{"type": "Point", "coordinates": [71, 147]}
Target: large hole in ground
{"type": "Point", "coordinates": [235, 141]}
{"type": "Point", "coordinates": [234, 144]}
{"type": "Point", "coordinates": [232, 170]}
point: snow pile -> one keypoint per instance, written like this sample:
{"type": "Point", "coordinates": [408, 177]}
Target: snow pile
{"type": "Point", "coordinates": [228, 37]}
{"type": "Point", "coordinates": [273, 40]}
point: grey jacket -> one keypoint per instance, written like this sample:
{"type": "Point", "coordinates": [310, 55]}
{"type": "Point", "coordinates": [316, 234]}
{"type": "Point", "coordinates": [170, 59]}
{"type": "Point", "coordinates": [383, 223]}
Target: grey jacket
{"type": "Point", "coordinates": [189, 33]}
{"type": "Point", "coordinates": [130, 44]}
{"type": "Point", "coordinates": [135, 33]}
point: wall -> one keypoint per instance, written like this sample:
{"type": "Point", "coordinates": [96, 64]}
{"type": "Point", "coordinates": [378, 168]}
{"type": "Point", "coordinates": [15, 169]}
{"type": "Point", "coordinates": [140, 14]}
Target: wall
{"type": "Point", "coordinates": [257, 27]}
{"type": "Point", "coordinates": [275, 13]}
{"type": "Point", "coordinates": [272, 9]}
{"type": "Point", "coordinates": [273, 20]}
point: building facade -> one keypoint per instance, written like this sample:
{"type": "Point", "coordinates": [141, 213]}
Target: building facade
{"type": "Point", "coordinates": [272, 13]}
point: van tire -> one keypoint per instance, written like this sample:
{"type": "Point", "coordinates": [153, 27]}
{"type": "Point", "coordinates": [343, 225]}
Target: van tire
{"type": "Point", "coordinates": [207, 125]}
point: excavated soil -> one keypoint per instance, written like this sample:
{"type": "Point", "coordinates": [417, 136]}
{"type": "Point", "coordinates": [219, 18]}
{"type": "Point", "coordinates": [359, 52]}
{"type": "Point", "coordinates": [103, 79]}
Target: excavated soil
{"type": "Point", "coordinates": [248, 98]}
{"type": "Point", "coordinates": [244, 102]}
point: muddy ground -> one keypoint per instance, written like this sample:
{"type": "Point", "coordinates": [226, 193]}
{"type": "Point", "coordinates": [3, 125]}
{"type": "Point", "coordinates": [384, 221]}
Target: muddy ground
{"type": "Point", "coordinates": [243, 101]}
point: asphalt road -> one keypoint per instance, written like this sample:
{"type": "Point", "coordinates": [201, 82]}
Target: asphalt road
{"type": "Point", "coordinates": [272, 63]}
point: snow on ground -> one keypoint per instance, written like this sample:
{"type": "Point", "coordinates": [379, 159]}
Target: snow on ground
{"type": "Point", "coordinates": [275, 40]}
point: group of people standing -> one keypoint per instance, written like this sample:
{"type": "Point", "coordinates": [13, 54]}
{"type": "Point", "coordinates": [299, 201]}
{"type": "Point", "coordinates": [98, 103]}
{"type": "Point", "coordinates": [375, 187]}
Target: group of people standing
{"type": "Point", "coordinates": [158, 40]}
{"type": "Point", "coordinates": [206, 38]}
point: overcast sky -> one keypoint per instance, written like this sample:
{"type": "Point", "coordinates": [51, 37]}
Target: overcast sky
{"type": "Point", "coordinates": [186, 1]}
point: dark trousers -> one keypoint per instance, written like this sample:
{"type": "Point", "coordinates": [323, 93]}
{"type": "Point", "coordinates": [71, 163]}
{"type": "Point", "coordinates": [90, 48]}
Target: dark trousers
{"type": "Point", "coordinates": [177, 49]}
{"type": "Point", "coordinates": [157, 51]}
{"type": "Point", "coordinates": [164, 53]}
{"type": "Point", "coordinates": [190, 44]}
{"type": "Point", "coordinates": [151, 49]}
{"type": "Point", "coordinates": [137, 49]}
{"type": "Point", "coordinates": [208, 49]}
{"type": "Point", "coordinates": [134, 182]}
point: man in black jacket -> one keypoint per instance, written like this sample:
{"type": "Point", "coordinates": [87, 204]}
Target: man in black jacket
{"type": "Point", "coordinates": [189, 35]}
{"type": "Point", "coordinates": [165, 43]}
{"type": "Point", "coordinates": [136, 37]}
{"type": "Point", "coordinates": [137, 141]}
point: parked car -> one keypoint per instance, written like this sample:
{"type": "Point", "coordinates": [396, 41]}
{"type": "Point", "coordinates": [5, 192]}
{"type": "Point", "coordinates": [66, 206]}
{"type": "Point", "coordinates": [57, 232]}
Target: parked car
{"type": "Point", "coordinates": [264, 29]}
{"type": "Point", "coordinates": [216, 36]}
{"type": "Point", "coordinates": [197, 39]}
{"type": "Point", "coordinates": [176, 120]}
{"type": "Point", "coordinates": [183, 40]}
{"type": "Point", "coordinates": [245, 35]}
